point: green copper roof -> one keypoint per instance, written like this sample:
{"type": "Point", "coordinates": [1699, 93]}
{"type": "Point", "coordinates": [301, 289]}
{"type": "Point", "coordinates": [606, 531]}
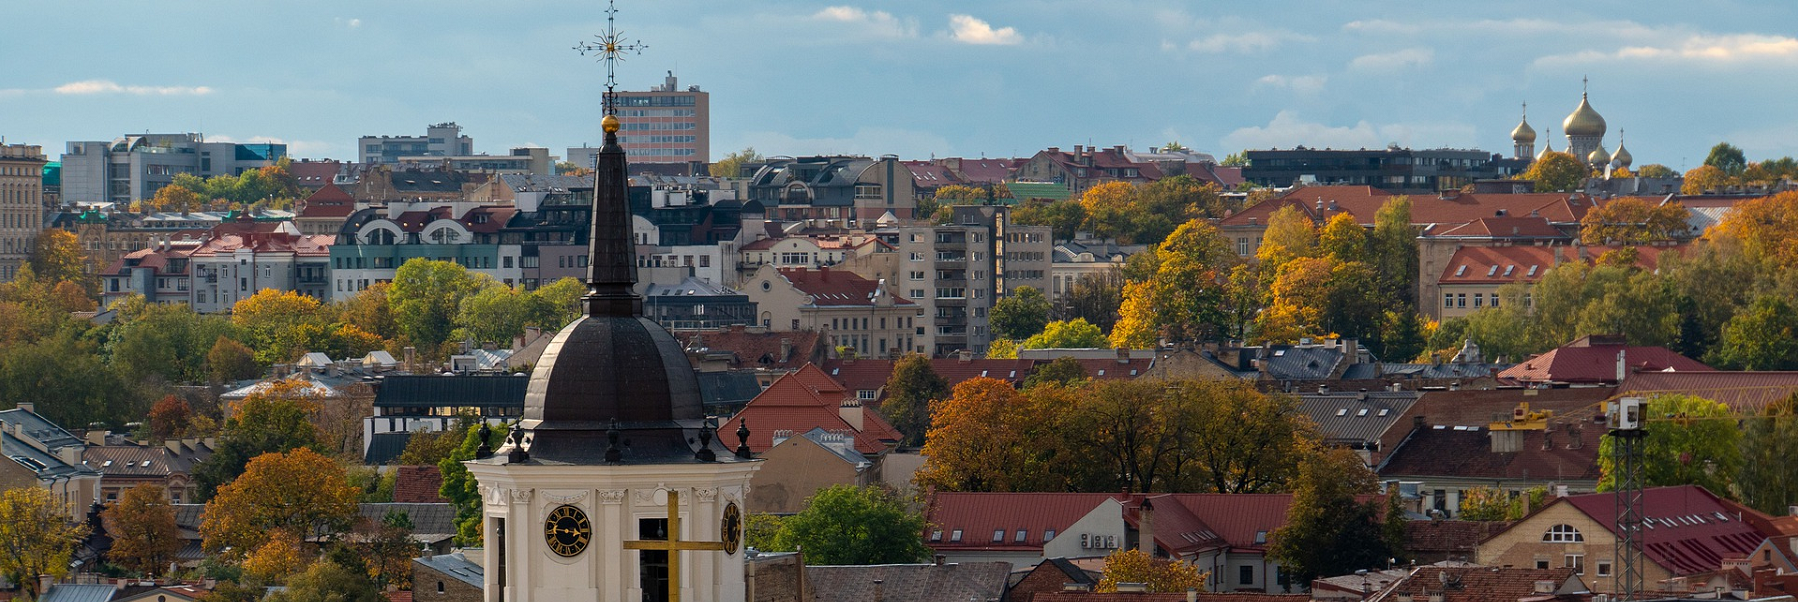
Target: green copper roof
{"type": "Point", "coordinates": [1024, 191]}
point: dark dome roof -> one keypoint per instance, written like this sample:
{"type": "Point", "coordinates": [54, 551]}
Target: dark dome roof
{"type": "Point", "coordinates": [605, 368]}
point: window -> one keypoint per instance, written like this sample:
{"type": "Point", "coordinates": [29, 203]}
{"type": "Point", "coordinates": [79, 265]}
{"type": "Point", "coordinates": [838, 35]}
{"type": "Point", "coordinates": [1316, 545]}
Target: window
{"type": "Point", "coordinates": [1245, 575]}
{"type": "Point", "coordinates": [1019, 538]}
{"type": "Point", "coordinates": [1479, 300]}
{"type": "Point", "coordinates": [1448, 299]}
{"type": "Point", "coordinates": [1048, 535]}
{"type": "Point", "coordinates": [1460, 299]}
{"type": "Point", "coordinates": [936, 535]}
{"type": "Point", "coordinates": [1563, 534]}
{"type": "Point", "coordinates": [1604, 568]}
{"type": "Point", "coordinates": [1542, 565]}
{"type": "Point", "coordinates": [1577, 562]}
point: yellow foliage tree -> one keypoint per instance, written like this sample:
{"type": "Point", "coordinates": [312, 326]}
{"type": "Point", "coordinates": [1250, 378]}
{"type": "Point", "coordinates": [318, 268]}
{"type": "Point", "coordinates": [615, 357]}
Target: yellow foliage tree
{"type": "Point", "coordinates": [1764, 226]}
{"type": "Point", "coordinates": [36, 537]}
{"type": "Point", "coordinates": [299, 492]}
{"type": "Point", "coordinates": [174, 199]}
{"type": "Point", "coordinates": [980, 440]}
{"type": "Point", "coordinates": [1556, 171]}
{"type": "Point", "coordinates": [1137, 326]}
{"type": "Point", "coordinates": [1108, 208]}
{"type": "Point", "coordinates": [1343, 238]}
{"type": "Point", "coordinates": [1632, 220]}
{"type": "Point", "coordinates": [1002, 349]}
{"type": "Point", "coordinates": [1705, 178]}
{"type": "Point", "coordinates": [142, 526]}
{"type": "Point", "coordinates": [1290, 235]}
{"type": "Point", "coordinates": [1164, 576]}
{"type": "Point", "coordinates": [1298, 296]}
{"type": "Point", "coordinates": [277, 558]}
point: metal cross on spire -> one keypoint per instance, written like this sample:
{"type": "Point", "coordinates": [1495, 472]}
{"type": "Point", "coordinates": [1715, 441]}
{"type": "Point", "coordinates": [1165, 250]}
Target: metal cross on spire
{"type": "Point", "coordinates": [610, 47]}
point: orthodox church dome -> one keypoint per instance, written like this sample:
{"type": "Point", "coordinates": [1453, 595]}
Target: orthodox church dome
{"type": "Point", "coordinates": [1583, 121]}
{"type": "Point", "coordinates": [1524, 134]}
{"type": "Point", "coordinates": [1548, 146]}
{"type": "Point", "coordinates": [1622, 158]}
{"type": "Point", "coordinates": [1598, 157]}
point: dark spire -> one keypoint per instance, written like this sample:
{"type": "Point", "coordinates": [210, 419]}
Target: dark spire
{"type": "Point", "coordinates": [743, 439]}
{"type": "Point", "coordinates": [611, 255]}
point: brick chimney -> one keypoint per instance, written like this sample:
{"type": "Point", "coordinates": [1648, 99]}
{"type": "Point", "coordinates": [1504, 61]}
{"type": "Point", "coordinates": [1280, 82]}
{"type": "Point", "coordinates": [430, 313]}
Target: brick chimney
{"type": "Point", "coordinates": [852, 412]}
{"type": "Point", "coordinates": [1145, 527]}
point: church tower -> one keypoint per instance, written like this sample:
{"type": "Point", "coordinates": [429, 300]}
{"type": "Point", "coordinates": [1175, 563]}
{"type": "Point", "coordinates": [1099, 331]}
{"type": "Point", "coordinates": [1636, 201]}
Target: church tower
{"type": "Point", "coordinates": [1523, 139]}
{"type": "Point", "coordinates": [614, 486]}
{"type": "Point", "coordinates": [1585, 132]}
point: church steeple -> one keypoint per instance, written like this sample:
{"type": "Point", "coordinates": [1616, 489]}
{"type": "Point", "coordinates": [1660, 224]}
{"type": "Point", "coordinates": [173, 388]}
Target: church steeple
{"type": "Point", "coordinates": [611, 252]}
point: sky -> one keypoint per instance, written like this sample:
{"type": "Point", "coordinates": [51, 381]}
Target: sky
{"type": "Point", "coordinates": [916, 78]}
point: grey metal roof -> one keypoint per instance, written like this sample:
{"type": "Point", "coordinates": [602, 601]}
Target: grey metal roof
{"type": "Point", "coordinates": [455, 566]}
{"type": "Point", "coordinates": [546, 183]}
{"type": "Point", "coordinates": [1441, 370]}
{"type": "Point", "coordinates": [689, 286]}
{"type": "Point", "coordinates": [843, 446]}
{"type": "Point", "coordinates": [1300, 363]}
{"type": "Point", "coordinates": [385, 448]}
{"type": "Point", "coordinates": [79, 593]}
{"type": "Point", "coordinates": [1357, 417]}
{"type": "Point", "coordinates": [39, 428]}
{"type": "Point", "coordinates": [728, 388]}
{"type": "Point", "coordinates": [910, 582]}
{"type": "Point", "coordinates": [46, 466]}
{"type": "Point", "coordinates": [455, 390]}
{"type": "Point", "coordinates": [434, 520]}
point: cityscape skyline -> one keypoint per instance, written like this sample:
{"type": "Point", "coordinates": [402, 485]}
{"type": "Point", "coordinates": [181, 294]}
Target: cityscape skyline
{"type": "Point", "coordinates": [921, 79]}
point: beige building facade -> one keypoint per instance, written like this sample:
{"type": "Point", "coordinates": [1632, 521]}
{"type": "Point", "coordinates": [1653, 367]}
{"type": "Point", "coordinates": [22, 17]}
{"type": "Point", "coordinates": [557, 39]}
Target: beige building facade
{"type": "Point", "coordinates": [21, 205]}
{"type": "Point", "coordinates": [866, 316]}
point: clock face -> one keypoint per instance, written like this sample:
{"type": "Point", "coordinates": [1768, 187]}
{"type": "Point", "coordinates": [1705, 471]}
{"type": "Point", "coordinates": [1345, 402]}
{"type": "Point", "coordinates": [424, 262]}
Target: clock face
{"type": "Point", "coordinates": [732, 532]}
{"type": "Point", "coordinates": [567, 531]}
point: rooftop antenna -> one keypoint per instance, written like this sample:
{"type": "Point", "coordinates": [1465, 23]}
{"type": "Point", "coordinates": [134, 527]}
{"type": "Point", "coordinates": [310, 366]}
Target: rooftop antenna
{"type": "Point", "coordinates": [609, 48]}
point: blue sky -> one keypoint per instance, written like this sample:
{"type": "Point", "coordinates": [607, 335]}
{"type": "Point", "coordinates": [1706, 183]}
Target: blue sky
{"type": "Point", "coordinates": [916, 77]}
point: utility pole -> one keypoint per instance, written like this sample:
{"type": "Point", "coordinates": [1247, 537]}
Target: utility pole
{"type": "Point", "coordinates": [1627, 435]}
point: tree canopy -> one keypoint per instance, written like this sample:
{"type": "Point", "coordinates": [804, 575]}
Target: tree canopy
{"type": "Point", "coordinates": [36, 538]}
{"type": "Point", "coordinates": [844, 524]}
{"type": "Point", "coordinates": [1556, 171]}
{"type": "Point", "coordinates": [909, 391]}
{"type": "Point", "coordinates": [297, 492]}
{"type": "Point", "coordinates": [1020, 315]}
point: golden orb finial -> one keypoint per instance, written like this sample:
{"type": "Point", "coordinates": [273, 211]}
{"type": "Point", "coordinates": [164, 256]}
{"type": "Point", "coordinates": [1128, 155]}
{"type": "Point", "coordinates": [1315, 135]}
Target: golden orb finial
{"type": "Point", "coordinates": [609, 124]}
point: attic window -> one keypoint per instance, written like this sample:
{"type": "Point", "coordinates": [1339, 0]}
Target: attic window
{"type": "Point", "coordinates": [1490, 272]}
{"type": "Point", "coordinates": [998, 535]}
{"type": "Point", "coordinates": [955, 536]}
{"type": "Point", "coordinates": [936, 535]}
{"type": "Point", "coordinates": [983, 373]}
{"type": "Point", "coordinates": [146, 464]}
{"type": "Point", "coordinates": [1362, 413]}
{"type": "Point", "coordinates": [106, 464]}
{"type": "Point", "coordinates": [1341, 411]}
{"type": "Point", "coordinates": [1461, 271]}
{"type": "Point", "coordinates": [1384, 412]}
{"type": "Point", "coordinates": [1133, 372]}
{"type": "Point", "coordinates": [1048, 535]}
{"type": "Point", "coordinates": [1014, 374]}
{"type": "Point", "coordinates": [1101, 373]}
{"type": "Point", "coordinates": [1260, 537]}
{"type": "Point", "coordinates": [1509, 269]}
{"type": "Point", "coordinates": [1020, 536]}
{"type": "Point", "coordinates": [1532, 270]}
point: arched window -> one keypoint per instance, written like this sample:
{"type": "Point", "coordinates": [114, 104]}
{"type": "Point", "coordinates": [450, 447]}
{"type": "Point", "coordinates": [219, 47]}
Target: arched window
{"type": "Point", "coordinates": [1563, 534]}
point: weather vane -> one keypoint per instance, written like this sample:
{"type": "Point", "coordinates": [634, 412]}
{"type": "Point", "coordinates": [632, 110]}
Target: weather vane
{"type": "Point", "coordinates": [610, 47]}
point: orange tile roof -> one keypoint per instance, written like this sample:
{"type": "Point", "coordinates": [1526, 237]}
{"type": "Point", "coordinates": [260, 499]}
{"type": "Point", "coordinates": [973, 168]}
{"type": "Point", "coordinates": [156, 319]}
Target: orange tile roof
{"type": "Point", "coordinates": [801, 401]}
{"type": "Point", "coordinates": [1527, 263]}
{"type": "Point", "coordinates": [1593, 359]}
{"type": "Point", "coordinates": [837, 287]}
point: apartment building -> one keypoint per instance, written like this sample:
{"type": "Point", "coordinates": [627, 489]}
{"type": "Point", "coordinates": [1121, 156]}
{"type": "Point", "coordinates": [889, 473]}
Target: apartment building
{"type": "Point", "coordinates": [21, 204]}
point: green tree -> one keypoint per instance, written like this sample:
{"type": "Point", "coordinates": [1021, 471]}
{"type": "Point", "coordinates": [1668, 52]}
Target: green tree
{"type": "Point", "coordinates": [425, 297]}
{"type": "Point", "coordinates": [1095, 298]}
{"type": "Point", "coordinates": [460, 488]}
{"type": "Point", "coordinates": [1066, 334]}
{"type": "Point", "coordinates": [731, 166]}
{"type": "Point", "coordinates": [36, 538]}
{"type": "Point", "coordinates": [328, 581]}
{"type": "Point", "coordinates": [1656, 170]}
{"type": "Point", "coordinates": [1002, 349]}
{"type": "Point", "coordinates": [844, 524]}
{"type": "Point", "coordinates": [1241, 440]}
{"type": "Point", "coordinates": [169, 342]}
{"type": "Point", "coordinates": [1236, 159]}
{"type": "Point", "coordinates": [1393, 251]}
{"type": "Point", "coordinates": [56, 256]}
{"type": "Point", "coordinates": [1328, 530]}
{"type": "Point", "coordinates": [1767, 480]}
{"type": "Point", "coordinates": [1697, 443]}
{"type": "Point", "coordinates": [1063, 217]}
{"type": "Point", "coordinates": [1491, 504]}
{"type": "Point", "coordinates": [909, 391]}
{"type": "Point", "coordinates": [1063, 371]}
{"type": "Point", "coordinates": [1763, 336]}
{"type": "Point", "coordinates": [1021, 315]}
{"type": "Point", "coordinates": [230, 360]}
{"type": "Point", "coordinates": [428, 448]}
{"type": "Point", "coordinates": [369, 310]}
{"type": "Point", "coordinates": [67, 377]}
{"type": "Point", "coordinates": [1555, 172]}
{"type": "Point", "coordinates": [1727, 157]}
{"type": "Point", "coordinates": [1343, 239]}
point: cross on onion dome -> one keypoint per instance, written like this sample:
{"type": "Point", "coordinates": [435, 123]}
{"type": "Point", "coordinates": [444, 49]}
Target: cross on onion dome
{"type": "Point", "coordinates": [609, 48]}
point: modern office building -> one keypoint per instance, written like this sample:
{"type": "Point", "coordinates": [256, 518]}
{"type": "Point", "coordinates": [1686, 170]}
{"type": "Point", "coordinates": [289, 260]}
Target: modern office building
{"type": "Point", "coordinates": [440, 140]}
{"type": "Point", "coordinates": [1393, 169]}
{"type": "Point", "coordinates": [134, 167]}
{"type": "Point", "coordinates": [21, 204]}
{"type": "Point", "coordinates": [521, 161]}
{"type": "Point", "coordinates": [667, 124]}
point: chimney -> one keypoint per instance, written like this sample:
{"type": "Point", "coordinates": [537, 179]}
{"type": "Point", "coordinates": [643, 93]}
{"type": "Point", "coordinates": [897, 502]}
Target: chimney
{"type": "Point", "coordinates": [411, 359]}
{"type": "Point", "coordinates": [43, 585]}
{"type": "Point", "coordinates": [965, 356]}
{"type": "Point", "coordinates": [1145, 527]}
{"type": "Point", "coordinates": [1123, 355]}
{"type": "Point", "coordinates": [28, 406]}
{"type": "Point", "coordinates": [1192, 594]}
{"type": "Point", "coordinates": [1132, 587]}
{"type": "Point", "coordinates": [786, 349]}
{"type": "Point", "coordinates": [1621, 365]}
{"type": "Point", "coordinates": [939, 559]}
{"type": "Point", "coordinates": [852, 412]}
{"type": "Point", "coordinates": [96, 437]}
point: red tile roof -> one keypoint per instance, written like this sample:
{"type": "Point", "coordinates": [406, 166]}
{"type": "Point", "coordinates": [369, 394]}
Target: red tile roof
{"type": "Point", "coordinates": [871, 374]}
{"type": "Point", "coordinates": [1744, 392]}
{"type": "Point", "coordinates": [1486, 584]}
{"type": "Point", "coordinates": [804, 400]}
{"type": "Point", "coordinates": [1362, 202]}
{"type": "Point", "coordinates": [1239, 519]}
{"type": "Point", "coordinates": [1168, 597]}
{"type": "Point", "coordinates": [1688, 530]}
{"type": "Point", "coordinates": [418, 485]}
{"type": "Point", "coordinates": [1469, 407]}
{"type": "Point", "coordinates": [1111, 369]}
{"type": "Point", "coordinates": [927, 174]}
{"type": "Point", "coordinates": [1440, 451]}
{"type": "Point", "coordinates": [1503, 227]}
{"type": "Point", "coordinates": [313, 174]}
{"type": "Point", "coordinates": [829, 287]}
{"type": "Point", "coordinates": [1449, 537]}
{"type": "Point", "coordinates": [329, 201]}
{"type": "Point", "coordinates": [1593, 359]}
{"type": "Point", "coordinates": [757, 348]}
{"type": "Point", "coordinates": [263, 237]}
{"type": "Point", "coordinates": [1527, 263]}
{"type": "Point", "coordinates": [978, 515]}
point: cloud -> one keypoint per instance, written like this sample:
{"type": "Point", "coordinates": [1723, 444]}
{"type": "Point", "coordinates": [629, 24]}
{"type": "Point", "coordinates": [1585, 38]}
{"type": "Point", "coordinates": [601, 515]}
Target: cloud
{"type": "Point", "coordinates": [969, 30]}
{"type": "Point", "coordinates": [1244, 43]}
{"type": "Point", "coordinates": [1287, 130]}
{"type": "Point", "coordinates": [880, 23]}
{"type": "Point", "coordinates": [349, 23]}
{"type": "Point", "coordinates": [101, 86]}
{"type": "Point", "coordinates": [1728, 48]}
{"type": "Point", "coordinates": [1302, 84]}
{"type": "Point", "coordinates": [1390, 61]}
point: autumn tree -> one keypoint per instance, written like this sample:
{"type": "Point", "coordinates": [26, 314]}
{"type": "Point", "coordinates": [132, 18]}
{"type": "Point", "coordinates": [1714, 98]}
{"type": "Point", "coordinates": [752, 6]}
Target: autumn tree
{"type": "Point", "coordinates": [1705, 179]}
{"type": "Point", "coordinates": [388, 547]}
{"type": "Point", "coordinates": [1319, 296]}
{"type": "Point", "coordinates": [909, 391]}
{"type": "Point", "coordinates": [1064, 218]}
{"type": "Point", "coordinates": [498, 313]}
{"type": "Point", "coordinates": [844, 524]}
{"type": "Point", "coordinates": [1343, 239]}
{"type": "Point", "coordinates": [169, 418]}
{"type": "Point", "coordinates": [1110, 211]}
{"type": "Point", "coordinates": [427, 448]}
{"type": "Point", "coordinates": [272, 420]}
{"type": "Point", "coordinates": [1699, 445]}
{"type": "Point", "coordinates": [1764, 226]}
{"type": "Point", "coordinates": [142, 527]}
{"type": "Point", "coordinates": [175, 199]}
{"type": "Point", "coordinates": [1066, 334]}
{"type": "Point", "coordinates": [327, 581]}
{"type": "Point", "coordinates": [1095, 298]}
{"type": "Point", "coordinates": [1632, 220]}
{"type": "Point", "coordinates": [1184, 296]}
{"type": "Point", "coordinates": [1160, 576]}
{"type": "Point", "coordinates": [731, 166]}
{"type": "Point", "coordinates": [1490, 504]}
{"type": "Point", "coordinates": [1329, 529]}
{"type": "Point", "coordinates": [279, 325]}
{"type": "Point", "coordinates": [299, 492]}
{"type": "Point", "coordinates": [984, 438]}
{"type": "Point", "coordinates": [1020, 315]}
{"type": "Point", "coordinates": [230, 360]}
{"type": "Point", "coordinates": [426, 296]}
{"type": "Point", "coordinates": [1655, 170]}
{"type": "Point", "coordinates": [368, 310]}
{"type": "Point", "coordinates": [1002, 349]}
{"type": "Point", "coordinates": [1122, 433]}
{"type": "Point", "coordinates": [56, 256]}
{"type": "Point", "coordinates": [1289, 235]}
{"type": "Point", "coordinates": [1241, 440]}
{"type": "Point", "coordinates": [1555, 172]}
{"type": "Point", "coordinates": [36, 537]}
{"type": "Point", "coordinates": [279, 555]}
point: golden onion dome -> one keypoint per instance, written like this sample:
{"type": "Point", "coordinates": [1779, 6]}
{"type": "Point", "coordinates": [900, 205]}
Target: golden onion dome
{"type": "Point", "coordinates": [1622, 158]}
{"type": "Point", "coordinates": [1599, 157]}
{"type": "Point", "coordinates": [1583, 121]}
{"type": "Point", "coordinates": [1548, 146]}
{"type": "Point", "coordinates": [1524, 134]}
{"type": "Point", "coordinates": [609, 124]}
